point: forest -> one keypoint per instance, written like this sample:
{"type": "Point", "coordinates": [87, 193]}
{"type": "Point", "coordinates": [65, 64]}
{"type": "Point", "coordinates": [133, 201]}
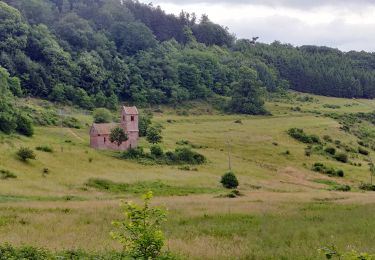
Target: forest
{"type": "Point", "coordinates": [98, 53]}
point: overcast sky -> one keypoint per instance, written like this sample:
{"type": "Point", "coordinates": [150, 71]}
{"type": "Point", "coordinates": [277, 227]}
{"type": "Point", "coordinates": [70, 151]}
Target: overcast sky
{"type": "Point", "coordinates": [343, 24]}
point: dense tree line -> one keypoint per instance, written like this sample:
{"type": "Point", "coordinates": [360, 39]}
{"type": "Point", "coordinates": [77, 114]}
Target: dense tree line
{"type": "Point", "coordinates": [97, 53]}
{"type": "Point", "coordinates": [319, 70]}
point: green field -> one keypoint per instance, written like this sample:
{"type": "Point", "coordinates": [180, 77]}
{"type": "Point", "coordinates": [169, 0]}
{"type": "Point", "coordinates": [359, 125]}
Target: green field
{"type": "Point", "coordinates": [288, 211]}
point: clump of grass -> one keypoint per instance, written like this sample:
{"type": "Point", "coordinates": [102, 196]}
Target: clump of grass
{"type": "Point", "coordinates": [44, 148]}
{"type": "Point", "coordinates": [238, 121]}
{"type": "Point", "coordinates": [25, 154]}
{"type": "Point", "coordinates": [232, 194]}
{"type": "Point", "coordinates": [5, 174]}
{"type": "Point", "coordinates": [187, 168]}
{"type": "Point", "coordinates": [158, 188]}
{"type": "Point", "coordinates": [331, 106]}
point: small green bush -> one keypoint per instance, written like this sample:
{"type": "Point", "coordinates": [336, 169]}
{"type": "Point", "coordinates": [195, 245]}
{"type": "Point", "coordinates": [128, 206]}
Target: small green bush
{"type": "Point", "coordinates": [367, 187]}
{"type": "Point", "coordinates": [363, 151]}
{"type": "Point", "coordinates": [156, 151]}
{"type": "Point", "coordinates": [320, 167]}
{"type": "Point", "coordinates": [330, 150]}
{"type": "Point", "coordinates": [301, 136]}
{"type": "Point", "coordinates": [5, 174]}
{"type": "Point", "coordinates": [344, 188]}
{"type": "Point", "coordinates": [133, 153]}
{"type": "Point", "coordinates": [25, 154]}
{"type": "Point", "coordinates": [44, 148]}
{"type": "Point", "coordinates": [229, 180]}
{"type": "Point", "coordinates": [342, 157]}
{"type": "Point", "coordinates": [24, 125]}
{"type": "Point", "coordinates": [327, 138]}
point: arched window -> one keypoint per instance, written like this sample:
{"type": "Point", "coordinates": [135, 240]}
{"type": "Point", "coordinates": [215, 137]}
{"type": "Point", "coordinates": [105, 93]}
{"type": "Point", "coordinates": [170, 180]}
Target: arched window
{"type": "Point", "coordinates": [132, 118]}
{"type": "Point", "coordinates": [105, 139]}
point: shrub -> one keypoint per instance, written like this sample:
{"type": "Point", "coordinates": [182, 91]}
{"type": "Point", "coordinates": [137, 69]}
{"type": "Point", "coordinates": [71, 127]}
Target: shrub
{"type": "Point", "coordinates": [342, 157]}
{"type": "Point", "coordinates": [71, 122]}
{"type": "Point", "coordinates": [238, 121]}
{"type": "Point", "coordinates": [25, 154]}
{"type": "Point", "coordinates": [5, 174]}
{"type": "Point", "coordinates": [156, 151]}
{"type": "Point", "coordinates": [301, 136]}
{"type": "Point", "coordinates": [143, 124]}
{"type": "Point", "coordinates": [44, 148]}
{"type": "Point", "coordinates": [367, 187]}
{"type": "Point", "coordinates": [185, 155]}
{"type": "Point", "coordinates": [342, 188]}
{"type": "Point", "coordinates": [330, 150]}
{"type": "Point", "coordinates": [154, 135]}
{"type": "Point", "coordinates": [327, 138]}
{"type": "Point", "coordinates": [319, 167]}
{"type": "Point", "coordinates": [118, 136]}
{"type": "Point", "coordinates": [229, 180]}
{"type": "Point", "coordinates": [133, 153]}
{"type": "Point", "coordinates": [363, 151]}
{"type": "Point", "coordinates": [102, 115]}
{"type": "Point", "coordinates": [24, 125]}
{"type": "Point", "coordinates": [139, 231]}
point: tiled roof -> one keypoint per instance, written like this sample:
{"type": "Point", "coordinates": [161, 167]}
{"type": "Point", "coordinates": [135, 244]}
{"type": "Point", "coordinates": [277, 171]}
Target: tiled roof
{"type": "Point", "coordinates": [130, 110]}
{"type": "Point", "coordinates": [104, 129]}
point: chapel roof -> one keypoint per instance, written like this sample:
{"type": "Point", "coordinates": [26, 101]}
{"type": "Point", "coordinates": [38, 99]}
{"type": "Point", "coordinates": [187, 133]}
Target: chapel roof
{"type": "Point", "coordinates": [104, 129]}
{"type": "Point", "coordinates": [130, 110]}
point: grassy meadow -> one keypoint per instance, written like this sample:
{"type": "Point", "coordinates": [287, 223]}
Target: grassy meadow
{"type": "Point", "coordinates": [287, 211]}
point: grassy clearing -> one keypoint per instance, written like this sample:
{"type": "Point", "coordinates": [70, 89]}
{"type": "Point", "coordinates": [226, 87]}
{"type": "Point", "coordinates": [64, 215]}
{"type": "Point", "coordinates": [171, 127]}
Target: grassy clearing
{"type": "Point", "coordinates": [287, 211]}
{"type": "Point", "coordinates": [157, 187]}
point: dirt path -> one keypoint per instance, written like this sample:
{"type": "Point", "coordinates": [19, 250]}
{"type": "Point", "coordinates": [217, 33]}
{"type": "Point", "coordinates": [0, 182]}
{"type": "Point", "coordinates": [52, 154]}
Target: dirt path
{"type": "Point", "coordinates": [75, 135]}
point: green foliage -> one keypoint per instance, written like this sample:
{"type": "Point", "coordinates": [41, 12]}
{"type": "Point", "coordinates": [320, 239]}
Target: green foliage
{"type": "Point", "coordinates": [71, 122]}
{"type": "Point", "coordinates": [102, 115]}
{"type": "Point", "coordinates": [301, 136]}
{"type": "Point", "coordinates": [363, 151]}
{"type": "Point", "coordinates": [118, 136]}
{"type": "Point", "coordinates": [331, 252]}
{"type": "Point", "coordinates": [24, 125]}
{"type": "Point", "coordinates": [139, 232]}
{"type": "Point", "coordinates": [344, 188]}
{"type": "Point", "coordinates": [5, 174]}
{"type": "Point", "coordinates": [229, 180]}
{"type": "Point", "coordinates": [44, 148]}
{"type": "Point", "coordinates": [367, 187]}
{"type": "Point", "coordinates": [143, 124]}
{"type": "Point", "coordinates": [330, 150]}
{"type": "Point", "coordinates": [156, 151]}
{"type": "Point", "coordinates": [342, 157]}
{"type": "Point", "coordinates": [320, 167]}
{"type": "Point", "coordinates": [247, 94]}
{"type": "Point", "coordinates": [154, 135]}
{"type": "Point", "coordinates": [25, 154]}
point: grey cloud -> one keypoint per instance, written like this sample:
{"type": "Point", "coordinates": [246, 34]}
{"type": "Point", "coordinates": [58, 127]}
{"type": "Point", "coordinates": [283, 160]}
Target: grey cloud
{"type": "Point", "coordinates": [298, 4]}
{"type": "Point", "coordinates": [337, 34]}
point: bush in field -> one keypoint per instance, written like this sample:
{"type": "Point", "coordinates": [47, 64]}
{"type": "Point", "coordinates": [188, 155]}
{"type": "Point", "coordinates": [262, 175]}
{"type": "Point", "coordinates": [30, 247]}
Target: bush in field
{"type": "Point", "coordinates": [156, 151]}
{"type": "Point", "coordinates": [5, 174]}
{"type": "Point", "coordinates": [24, 125]}
{"type": "Point", "coordinates": [154, 135]}
{"type": "Point", "coordinates": [363, 151]}
{"type": "Point", "coordinates": [330, 150]}
{"type": "Point", "coordinates": [229, 180]}
{"type": "Point", "coordinates": [344, 188]}
{"type": "Point", "coordinates": [185, 155]}
{"type": "Point", "coordinates": [133, 153]}
{"type": "Point", "coordinates": [44, 148]}
{"type": "Point", "coordinates": [367, 187]}
{"type": "Point", "coordinates": [139, 232]}
{"type": "Point", "coordinates": [143, 124]}
{"type": "Point", "coordinates": [319, 167]}
{"type": "Point", "coordinates": [301, 136]}
{"type": "Point", "coordinates": [25, 154]}
{"type": "Point", "coordinates": [102, 115]}
{"type": "Point", "coordinates": [342, 157]}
